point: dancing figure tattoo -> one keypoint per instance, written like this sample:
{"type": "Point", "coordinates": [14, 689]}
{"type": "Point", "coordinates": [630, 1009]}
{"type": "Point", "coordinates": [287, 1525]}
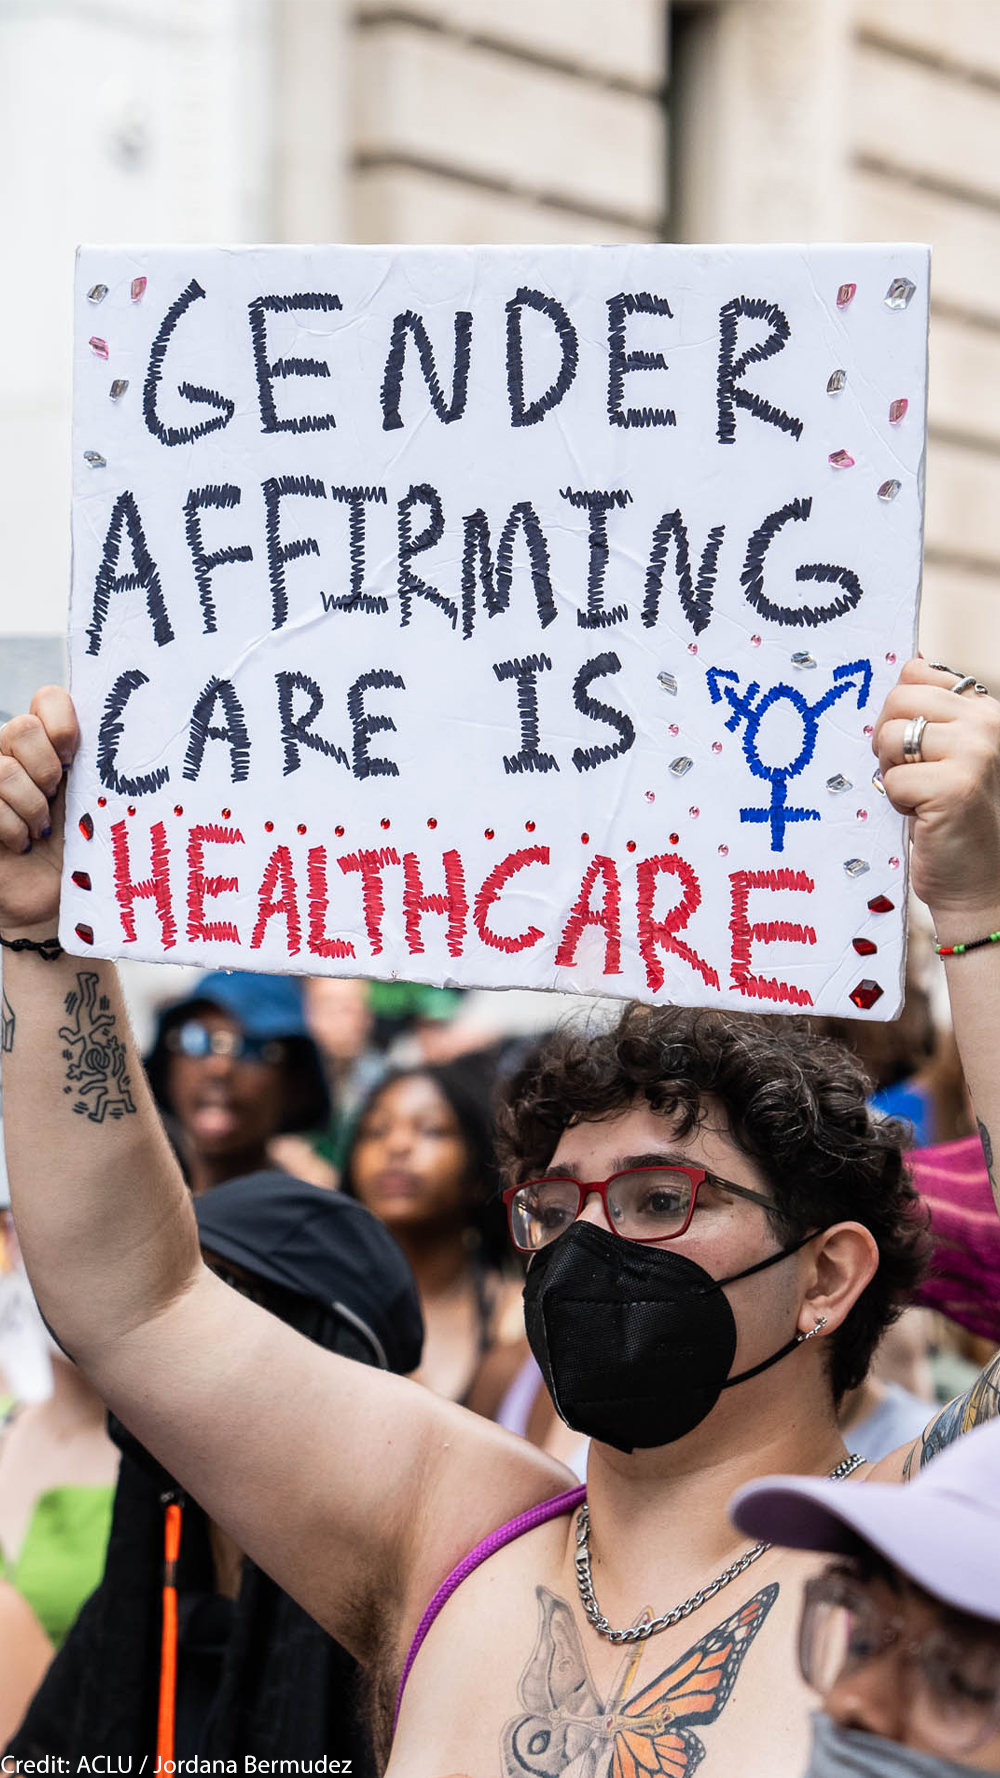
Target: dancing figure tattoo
{"type": "Point", "coordinates": [566, 1731]}
{"type": "Point", "coordinates": [96, 1070]}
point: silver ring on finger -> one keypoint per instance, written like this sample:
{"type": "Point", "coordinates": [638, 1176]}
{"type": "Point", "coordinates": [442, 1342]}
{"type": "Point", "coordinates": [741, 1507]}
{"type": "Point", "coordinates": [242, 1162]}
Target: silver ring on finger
{"type": "Point", "coordinates": [913, 735]}
{"type": "Point", "coordinates": [969, 680]}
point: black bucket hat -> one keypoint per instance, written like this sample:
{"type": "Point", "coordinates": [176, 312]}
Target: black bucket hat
{"type": "Point", "coordinates": [323, 1246]}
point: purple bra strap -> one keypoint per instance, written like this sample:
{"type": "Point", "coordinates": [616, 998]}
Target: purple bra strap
{"type": "Point", "coordinates": [535, 1515]}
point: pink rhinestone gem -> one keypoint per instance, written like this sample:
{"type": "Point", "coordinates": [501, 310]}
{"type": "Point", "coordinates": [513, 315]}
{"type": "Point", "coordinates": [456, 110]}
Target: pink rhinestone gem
{"type": "Point", "coordinates": [862, 814]}
{"type": "Point", "coordinates": [869, 730]}
{"type": "Point", "coordinates": [694, 813]}
{"type": "Point", "coordinates": [894, 864]}
{"type": "Point", "coordinates": [723, 851]}
{"type": "Point", "coordinates": [137, 289]}
{"type": "Point", "coordinates": [674, 730]}
{"type": "Point", "coordinates": [755, 642]}
{"type": "Point", "coordinates": [692, 648]}
{"type": "Point", "coordinates": [897, 410]}
{"type": "Point", "coordinates": [98, 347]}
{"type": "Point", "coordinates": [651, 796]}
{"type": "Point", "coordinates": [716, 746]}
{"type": "Point", "coordinates": [845, 295]}
{"type": "Point", "coordinates": [841, 460]}
{"type": "Point", "coordinates": [891, 658]}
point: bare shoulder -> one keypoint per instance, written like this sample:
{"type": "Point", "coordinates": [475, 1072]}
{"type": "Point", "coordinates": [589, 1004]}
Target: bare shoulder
{"type": "Point", "coordinates": [477, 1477]}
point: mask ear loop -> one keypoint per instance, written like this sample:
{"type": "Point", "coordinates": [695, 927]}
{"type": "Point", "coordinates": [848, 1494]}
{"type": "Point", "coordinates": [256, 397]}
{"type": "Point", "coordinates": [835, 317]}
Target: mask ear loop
{"type": "Point", "coordinates": [799, 1338]}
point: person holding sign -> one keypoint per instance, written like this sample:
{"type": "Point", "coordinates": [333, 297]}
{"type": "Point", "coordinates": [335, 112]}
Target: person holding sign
{"type": "Point", "coordinates": [711, 1337]}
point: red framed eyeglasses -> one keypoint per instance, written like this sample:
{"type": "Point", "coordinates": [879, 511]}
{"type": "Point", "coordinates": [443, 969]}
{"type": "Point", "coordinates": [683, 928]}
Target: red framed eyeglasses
{"type": "Point", "coordinates": [642, 1204]}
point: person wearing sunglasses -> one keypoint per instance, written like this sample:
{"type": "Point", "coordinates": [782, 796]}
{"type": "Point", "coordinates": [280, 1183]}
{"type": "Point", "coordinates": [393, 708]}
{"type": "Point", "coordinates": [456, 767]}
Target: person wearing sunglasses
{"type": "Point", "coordinates": [717, 1229]}
{"type": "Point", "coordinates": [900, 1633]}
{"type": "Point", "coordinates": [233, 1067]}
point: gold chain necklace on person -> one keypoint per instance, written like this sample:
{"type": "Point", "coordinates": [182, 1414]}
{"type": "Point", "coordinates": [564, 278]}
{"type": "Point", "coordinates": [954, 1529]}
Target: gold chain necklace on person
{"type": "Point", "coordinates": [639, 1632]}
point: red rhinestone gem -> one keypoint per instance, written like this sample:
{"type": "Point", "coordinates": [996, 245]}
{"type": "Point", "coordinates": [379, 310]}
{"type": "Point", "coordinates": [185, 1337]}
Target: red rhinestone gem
{"type": "Point", "coordinates": [226, 814]}
{"type": "Point", "coordinates": [82, 879]}
{"type": "Point", "coordinates": [489, 833]}
{"type": "Point", "coordinates": [675, 839]}
{"type": "Point", "coordinates": [87, 826]}
{"type": "Point", "coordinates": [432, 820]}
{"type": "Point", "coordinates": [630, 845]}
{"type": "Point", "coordinates": [529, 827]}
{"type": "Point", "coordinates": [102, 802]}
{"type": "Point", "coordinates": [585, 839]}
{"type": "Point", "coordinates": [864, 947]}
{"type": "Point", "coordinates": [178, 808]}
{"type": "Point", "coordinates": [339, 832]}
{"type": "Point", "coordinates": [866, 993]}
{"type": "Point", "coordinates": [385, 821]}
{"type": "Point", "coordinates": [880, 904]}
{"type": "Point", "coordinates": [131, 809]}
{"type": "Point", "coordinates": [85, 932]}
{"type": "Point", "coordinates": [301, 827]}
{"type": "Point", "coordinates": [269, 827]}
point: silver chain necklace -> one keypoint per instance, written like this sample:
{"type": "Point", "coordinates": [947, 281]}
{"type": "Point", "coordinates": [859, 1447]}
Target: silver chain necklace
{"type": "Point", "coordinates": [639, 1632]}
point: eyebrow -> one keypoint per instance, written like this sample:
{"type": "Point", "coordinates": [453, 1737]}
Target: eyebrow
{"type": "Point", "coordinates": [668, 1157]}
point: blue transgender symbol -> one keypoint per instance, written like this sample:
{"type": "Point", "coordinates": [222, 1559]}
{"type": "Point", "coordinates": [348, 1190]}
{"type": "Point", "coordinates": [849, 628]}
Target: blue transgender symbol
{"type": "Point", "coordinates": [751, 706]}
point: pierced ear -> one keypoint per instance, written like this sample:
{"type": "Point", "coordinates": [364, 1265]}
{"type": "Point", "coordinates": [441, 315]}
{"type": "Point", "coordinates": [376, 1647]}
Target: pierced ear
{"type": "Point", "coordinates": [845, 1260]}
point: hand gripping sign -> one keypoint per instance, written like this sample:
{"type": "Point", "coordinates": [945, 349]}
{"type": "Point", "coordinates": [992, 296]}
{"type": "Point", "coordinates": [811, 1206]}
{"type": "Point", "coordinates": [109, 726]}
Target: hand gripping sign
{"type": "Point", "coordinates": [497, 616]}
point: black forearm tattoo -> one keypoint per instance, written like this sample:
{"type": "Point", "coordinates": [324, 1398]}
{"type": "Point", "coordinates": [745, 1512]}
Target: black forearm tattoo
{"type": "Point", "coordinates": [95, 1057]}
{"type": "Point", "coordinates": [978, 1404]}
{"type": "Point", "coordinates": [565, 1722]}
{"type": "Point", "coordinates": [7, 1023]}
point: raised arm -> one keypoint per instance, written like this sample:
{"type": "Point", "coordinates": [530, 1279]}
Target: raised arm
{"type": "Point", "coordinates": [355, 1489]}
{"type": "Point", "coordinates": [952, 795]}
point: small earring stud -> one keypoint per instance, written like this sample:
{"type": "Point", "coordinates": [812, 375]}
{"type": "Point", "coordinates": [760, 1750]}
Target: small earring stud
{"type": "Point", "coordinates": [813, 1331]}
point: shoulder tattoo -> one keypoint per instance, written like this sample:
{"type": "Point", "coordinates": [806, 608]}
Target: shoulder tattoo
{"type": "Point", "coordinates": [977, 1405]}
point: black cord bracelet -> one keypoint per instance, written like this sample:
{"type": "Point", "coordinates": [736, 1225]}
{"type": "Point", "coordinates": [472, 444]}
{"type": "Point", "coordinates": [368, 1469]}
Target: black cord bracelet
{"type": "Point", "coordinates": [48, 948]}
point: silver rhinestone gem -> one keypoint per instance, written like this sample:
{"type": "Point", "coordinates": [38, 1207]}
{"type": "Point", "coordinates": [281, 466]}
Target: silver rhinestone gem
{"type": "Point", "coordinates": [838, 783]}
{"type": "Point", "coordinates": [118, 388]}
{"type": "Point", "coordinates": [889, 490]}
{"type": "Point", "coordinates": [97, 293]}
{"type": "Point", "coordinates": [681, 766]}
{"type": "Point", "coordinates": [856, 867]}
{"type": "Point", "coordinates": [877, 781]}
{"type": "Point", "coordinates": [836, 382]}
{"type": "Point", "coordinates": [668, 683]}
{"type": "Point", "coordinates": [803, 659]}
{"type": "Point", "coordinates": [899, 293]}
{"type": "Point", "coordinates": [95, 459]}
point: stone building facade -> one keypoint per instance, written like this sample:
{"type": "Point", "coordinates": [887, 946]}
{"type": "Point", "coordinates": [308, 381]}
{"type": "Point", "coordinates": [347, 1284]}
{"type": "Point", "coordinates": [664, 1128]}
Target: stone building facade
{"type": "Point", "coordinates": [505, 120]}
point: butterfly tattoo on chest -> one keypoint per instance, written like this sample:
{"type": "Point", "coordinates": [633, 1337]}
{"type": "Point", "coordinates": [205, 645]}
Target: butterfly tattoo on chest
{"type": "Point", "coordinates": [567, 1731]}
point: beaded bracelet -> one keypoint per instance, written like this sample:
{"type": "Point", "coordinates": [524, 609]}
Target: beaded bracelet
{"type": "Point", "coordinates": [974, 944]}
{"type": "Point", "coordinates": [48, 948]}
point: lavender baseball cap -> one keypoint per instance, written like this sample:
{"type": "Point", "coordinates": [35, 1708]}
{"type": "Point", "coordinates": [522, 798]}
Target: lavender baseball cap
{"type": "Point", "coordinates": [942, 1529]}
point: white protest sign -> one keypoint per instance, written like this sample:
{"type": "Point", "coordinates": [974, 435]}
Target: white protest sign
{"type": "Point", "coordinates": [497, 616]}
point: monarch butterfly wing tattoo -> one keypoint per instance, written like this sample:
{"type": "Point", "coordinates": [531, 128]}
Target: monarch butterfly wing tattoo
{"type": "Point", "coordinates": [675, 1754]}
{"type": "Point", "coordinates": [653, 1739]}
{"type": "Point", "coordinates": [559, 1728]}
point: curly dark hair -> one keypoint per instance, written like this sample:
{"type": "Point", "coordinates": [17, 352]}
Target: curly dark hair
{"type": "Point", "coordinates": [794, 1103]}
